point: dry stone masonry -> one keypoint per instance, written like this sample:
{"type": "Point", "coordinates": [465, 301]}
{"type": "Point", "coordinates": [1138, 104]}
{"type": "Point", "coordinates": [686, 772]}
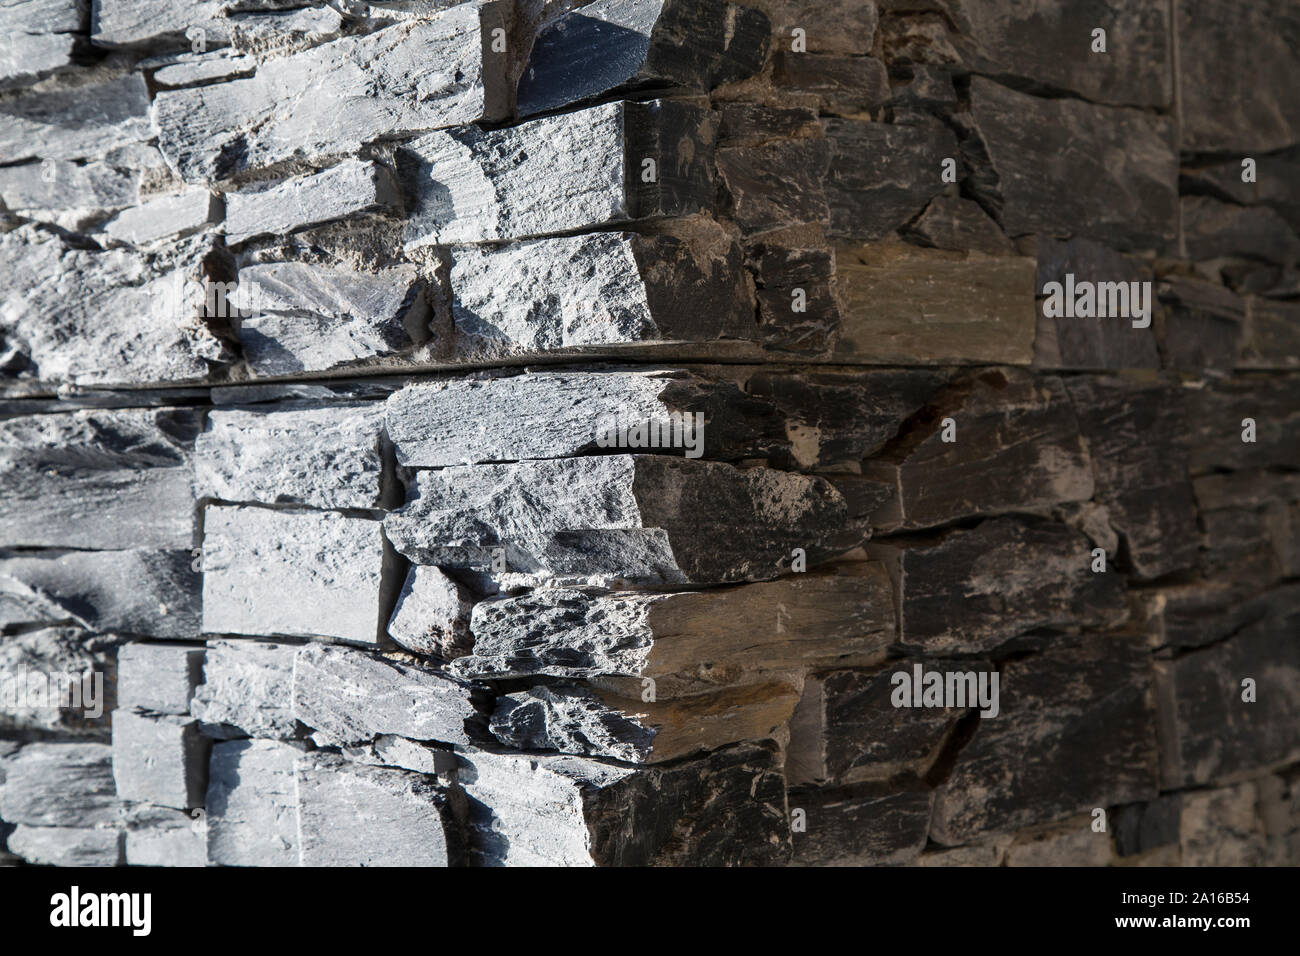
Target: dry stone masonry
{"type": "Point", "coordinates": [649, 432]}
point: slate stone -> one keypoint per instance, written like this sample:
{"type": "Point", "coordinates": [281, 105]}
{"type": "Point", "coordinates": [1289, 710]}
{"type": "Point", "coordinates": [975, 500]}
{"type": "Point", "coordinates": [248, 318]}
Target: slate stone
{"type": "Point", "coordinates": [846, 729]}
{"type": "Point", "coordinates": [1071, 844]}
{"type": "Point", "coordinates": [1066, 167]}
{"type": "Point", "coordinates": [300, 317]}
{"type": "Point", "coordinates": [331, 564]}
{"type": "Point", "coordinates": [351, 188]}
{"type": "Point", "coordinates": [641, 518]}
{"type": "Point", "coordinates": [194, 69]}
{"type": "Point", "coordinates": [73, 315]}
{"type": "Point", "coordinates": [556, 174]}
{"type": "Point", "coordinates": [252, 804]}
{"type": "Point", "coordinates": [164, 218]}
{"type": "Point", "coordinates": [571, 718]}
{"type": "Point", "coordinates": [137, 23]}
{"type": "Point", "coordinates": [1273, 186]}
{"type": "Point", "coordinates": [59, 785]}
{"type": "Point", "coordinates": [612, 45]}
{"type": "Point", "coordinates": [1049, 44]}
{"type": "Point", "coordinates": [407, 78]}
{"type": "Point", "coordinates": [71, 195]}
{"type": "Point", "coordinates": [350, 815]}
{"type": "Point", "coordinates": [594, 290]}
{"type": "Point", "coordinates": [752, 124]}
{"type": "Point", "coordinates": [1221, 828]}
{"type": "Point", "coordinates": [432, 615]}
{"type": "Point", "coordinates": [1212, 229]}
{"type": "Point", "coordinates": [970, 590]}
{"type": "Point", "coordinates": [1208, 733]}
{"type": "Point", "coordinates": [957, 224]}
{"type": "Point", "coordinates": [842, 85]}
{"type": "Point", "coordinates": [388, 750]}
{"type": "Point", "coordinates": [830, 26]}
{"type": "Point", "coordinates": [784, 276]}
{"type": "Point", "coordinates": [1017, 448]}
{"type": "Point", "coordinates": [247, 690]}
{"type": "Point", "coordinates": [352, 697]}
{"type": "Point", "coordinates": [326, 456]}
{"type": "Point", "coordinates": [907, 305]}
{"type": "Point", "coordinates": [74, 667]}
{"type": "Point", "coordinates": [713, 638]}
{"type": "Point", "coordinates": [158, 677]}
{"type": "Point", "coordinates": [45, 36]}
{"type": "Point", "coordinates": [1080, 723]}
{"type": "Point", "coordinates": [160, 759]}
{"type": "Point", "coordinates": [1202, 324]}
{"type": "Point", "coordinates": [1212, 435]}
{"type": "Point", "coordinates": [1090, 343]}
{"type": "Point", "coordinates": [844, 829]}
{"type": "Point", "coordinates": [1130, 427]}
{"type": "Point", "coordinates": [1233, 78]}
{"type": "Point", "coordinates": [153, 593]}
{"type": "Point", "coordinates": [157, 836]}
{"type": "Point", "coordinates": [85, 119]}
{"type": "Point", "coordinates": [1270, 337]}
{"type": "Point", "coordinates": [1142, 827]}
{"type": "Point", "coordinates": [573, 811]}
{"type": "Point", "coordinates": [775, 185]}
{"type": "Point", "coordinates": [67, 846]}
{"type": "Point", "coordinates": [881, 175]}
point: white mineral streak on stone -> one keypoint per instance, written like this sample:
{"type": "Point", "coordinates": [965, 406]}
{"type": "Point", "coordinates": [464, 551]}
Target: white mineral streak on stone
{"type": "Point", "coordinates": [247, 689]}
{"type": "Point", "coordinates": [98, 479]}
{"type": "Point", "coordinates": [326, 457]}
{"type": "Point", "coordinates": [432, 614]}
{"type": "Point", "coordinates": [158, 677]}
{"type": "Point", "coordinates": [307, 318]}
{"type": "Point", "coordinates": [159, 759]}
{"type": "Point", "coordinates": [164, 217]}
{"type": "Point", "coordinates": [83, 121]}
{"type": "Point", "coordinates": [550, 175]}
{"type": "Point", "coordinates": [350, 815]}
{"type": "Point", "coordinates": [297, 574]}
{"type": "Point", "coordinates": [252, 804]}
{"type": "Point", "coordinates": [348, 189]}
{"type": "Point", "coordinates": [403, 79]}
{"type": "Point", "coordinates": [352, 697]}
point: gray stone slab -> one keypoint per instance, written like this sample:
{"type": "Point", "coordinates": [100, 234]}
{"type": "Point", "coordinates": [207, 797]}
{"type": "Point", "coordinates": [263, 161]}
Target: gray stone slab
{"type": "Point", "coordinates": [160, 759]}
{"type": "Point", "coordinates": [247, 689]}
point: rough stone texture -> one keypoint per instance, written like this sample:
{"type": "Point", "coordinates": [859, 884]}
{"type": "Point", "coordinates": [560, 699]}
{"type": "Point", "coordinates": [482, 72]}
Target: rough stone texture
{"type": "Point", "coordinates": [771, 185]}
{"type": "Point", "coordinates": [98, 479]}
{"type": "Point", "coordinates": [560, 173]}
{"type": "Point", "coordinates": [909, 305]}
{"type": "Point", "coordinates": [597, 290]}
{"type": "Point", "coordinates": [157, 836]}
{"type": "Point", "coordinates": [159, 759]}
{"type": "Point", "coordinates": [572, 811]}
{"type": "Point", "coordinates": [352, 697]}
{"type": "Point", "coordinates": [1229, 76]}
{"type": "Point", "coordinates": [830, 26]}
{"type": "Point", "coordinates": [612, 45]}
{"type": "Point", "coordinates": [118, 23]}
{"type": "Point", "coordinates": [247, 689]}
{"type": "Point", "coordinates": [970, 590]}
{"type": "Point", "coordinates": [871, 830]}
{"type": "Point", "coordinates": [44, 38]}
{"type": "Point", "coordinates": [305, 318]}
{"type": "Point", "coordinates": [572, 719]}
{"type": "Point", "coordinates": [252, 804]}
{"type": "Point", "coordinates": [158, 677]}
{"type": "Point", "coordinates": [882, 176]}
{"type": "Point", "coordinates": [59, 785]}
{"type": "Point", "coordinates": [1120, 164]}
{"type": "Point", "coordinates": [332, 565]}
{"type": "Point", "coordinates": [76, 667]}
{"type": "Point", "coordinates": [640, 518]}
{"type": "Point", "coordinates": [74, 315]}
{"type": "Point", "coordinates": [432, 615]}
{"type": "Point", "coordinates": [1080, 722]}
{"type": "Point", "coordinates": [323, 456]}
{"type": "Point", "coordinates": [348, 189]}
{"type": "Point", "coordinates": [67, 846]}
{"type": "Point", "coordinates": [86, 120]}
{"type": "Point", "coordinates": [164, 217]}
{"type": "Point", "coordinates": [1204, 689]}
{"type": "Point", "coordinates": [712, 637]}
{"type": "Point", "coordinates": [351, 815]}
{"type": "Point", "coordinates": [1017, 448]}
{"type": "Point", "coordinates": [407, 78]}
{"type": "Point", "coordinates": [150, 593]}
{"type": "Point", "coordinates": [843, 85]}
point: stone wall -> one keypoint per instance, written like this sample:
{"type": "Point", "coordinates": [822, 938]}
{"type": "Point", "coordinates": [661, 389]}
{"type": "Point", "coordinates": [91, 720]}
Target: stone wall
{"type": "Point", "coordinates": [520, 432]}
